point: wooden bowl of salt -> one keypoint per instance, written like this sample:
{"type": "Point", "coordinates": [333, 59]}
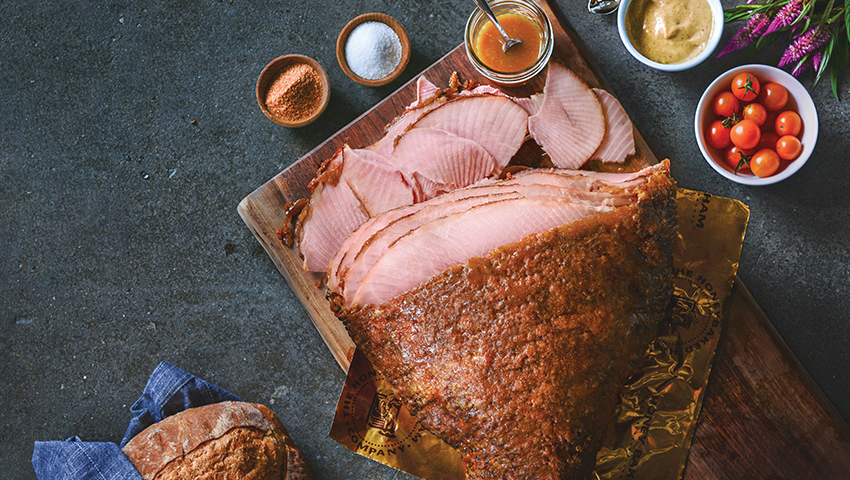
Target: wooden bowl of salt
{"type": "Point", "coordinates": [373, 49]}
{"type": "Point", "coordinates": [293, 90]}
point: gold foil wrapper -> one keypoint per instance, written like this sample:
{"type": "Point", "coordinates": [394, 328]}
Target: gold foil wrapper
{"type": "Point", "coordinates": [372, 421]}
{"type": "Point", "coordinates": [658, 409]}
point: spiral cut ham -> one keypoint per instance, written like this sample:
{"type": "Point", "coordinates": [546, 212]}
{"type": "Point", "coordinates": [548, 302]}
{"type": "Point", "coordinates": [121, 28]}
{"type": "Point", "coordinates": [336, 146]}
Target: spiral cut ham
{"type": "Point", "coordinates": [453, 138]}
{"type": "Point", "coordinates": [508, 314]}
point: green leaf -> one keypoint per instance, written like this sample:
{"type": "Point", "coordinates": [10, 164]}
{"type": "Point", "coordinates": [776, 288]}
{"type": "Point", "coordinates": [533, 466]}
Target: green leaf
{"type": "Point", "coordinates": [741, 12]}
{"type": "Point", "coordinates": [840, 59]}
{"type": "Point", "coordinates": [847, 18]}
{"type": "Point", "coordinates": [828, 10]}
{"type": "Point", "coordinates": [827, 56]}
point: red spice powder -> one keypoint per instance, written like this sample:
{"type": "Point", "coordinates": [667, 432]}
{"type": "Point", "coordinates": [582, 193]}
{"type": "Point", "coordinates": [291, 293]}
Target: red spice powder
{"type": "Point", "coordinates": [295, 93]}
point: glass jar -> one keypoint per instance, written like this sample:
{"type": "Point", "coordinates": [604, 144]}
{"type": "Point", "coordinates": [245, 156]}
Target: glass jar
{"type": "Point", "coordinates": [526, 8]}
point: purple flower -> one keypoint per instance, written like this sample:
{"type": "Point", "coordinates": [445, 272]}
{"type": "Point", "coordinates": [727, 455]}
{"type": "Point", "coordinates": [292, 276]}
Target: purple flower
{"type": "Point", "coordinates": [802, 67]}
{"type": "Point", "coordinates": [785, 16]}
{"type": "Point", "coordinates": [805, 43]}
{"type": "Point", "coordinates": [754, 28]}
{"type": "Point", "coordinates": [816, 59]}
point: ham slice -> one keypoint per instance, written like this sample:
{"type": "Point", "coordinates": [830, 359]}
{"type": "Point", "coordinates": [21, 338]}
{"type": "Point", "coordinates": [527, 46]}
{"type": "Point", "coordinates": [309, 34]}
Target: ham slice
{"type": "Point", "coordinates": [441, 161]}
{"type": "Point", "coordinates": [381, 240]}
{"type": "Point", "coordinates": [619, 140]}
{"type": "Point", "coordinates": [384, 146]}
{"type": "Point", "coordinates": [495, 122]}
{"type": "Point", "coordinates": [570, 124]}
{"type": "Point", "coordinates": [531, 104]}
{"type": "Point", "coordinates": [357, 184]}
{"type": "Point", "coordinates": [332, 214]}
{"type": "Point", "coordinates": [376, 183]}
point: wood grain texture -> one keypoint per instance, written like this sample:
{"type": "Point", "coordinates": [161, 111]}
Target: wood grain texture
{"type": "Point", "coordinates": [762, 417]}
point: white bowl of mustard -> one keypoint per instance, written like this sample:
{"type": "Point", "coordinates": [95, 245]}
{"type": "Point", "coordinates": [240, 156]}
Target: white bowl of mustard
{"type": "Point", "coordinates": [670, 35]}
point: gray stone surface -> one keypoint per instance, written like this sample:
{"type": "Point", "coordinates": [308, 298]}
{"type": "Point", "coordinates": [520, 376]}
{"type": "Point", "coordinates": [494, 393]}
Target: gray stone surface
{"type": "Point", "coordinates": [129, 131]}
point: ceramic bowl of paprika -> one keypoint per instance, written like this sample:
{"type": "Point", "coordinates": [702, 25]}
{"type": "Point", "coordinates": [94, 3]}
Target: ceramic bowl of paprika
{"type": "Point", "coordinates": [396, 27]}
{"type": "Point", "coordinates": [293, 90]}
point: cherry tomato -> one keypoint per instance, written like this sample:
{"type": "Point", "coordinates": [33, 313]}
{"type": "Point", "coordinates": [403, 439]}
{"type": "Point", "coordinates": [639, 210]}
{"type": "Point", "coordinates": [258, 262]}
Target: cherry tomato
{"type": "Point", "coordinates": [788, 147]}
{"type": "Point", "coordinates": [745, 134]}
{"type": "Point", "coordinates": [737, 158]}
{"type": "Point", "coordinates": [773, 96]}
{"type": "Point", "coordinates": [768, 140]}
{"type": "Point", "coordinates": [755, 112]}
{"type": "Point", "coordinates": [745, 86]}
{"type": "Point", "coordinates": [764, 163]}
{"type": "Point", "coordinates": [788, 123]}
{"type": "Point", "coordinates": [717, 136]}
{"type": "Point", "coordinates": [725, 104]}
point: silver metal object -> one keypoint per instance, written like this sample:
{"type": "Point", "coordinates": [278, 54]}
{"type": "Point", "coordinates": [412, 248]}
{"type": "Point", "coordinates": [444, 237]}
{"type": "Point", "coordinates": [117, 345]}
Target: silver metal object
{"type": "Point", "coordinates": [602, 7]}
{"type": "Point", "coordinates": [509, 42]}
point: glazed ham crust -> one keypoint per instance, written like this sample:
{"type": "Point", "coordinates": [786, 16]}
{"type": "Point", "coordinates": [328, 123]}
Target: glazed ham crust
{"type": "Point", "coordinates": [515, 358]}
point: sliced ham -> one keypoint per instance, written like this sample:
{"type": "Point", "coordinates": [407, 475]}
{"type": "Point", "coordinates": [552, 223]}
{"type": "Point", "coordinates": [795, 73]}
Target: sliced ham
{"type": "Point", "coordinates": [441, 161]}
{"type": "Point", "coordinates": [451, 138]}
{"type": "Point", "coordinates": [384, 146]}
{"type": "Point", "coordinates": [619, 140]}
{"type": "Point", "coordinates": [380, 241]}
{"type": "Point", "coordinates": [332, 214]}
{"type": "Point", "coordinates": [376, 183]}
{"type": "Point", "coordinates": [516, 358]}
{"type": "Point", "coordinates": [570, 124]}
{"type": "Point", "coordinates": [582, 179]}
{"type": "Point", "coordinates": [371, 240]}
{"type": "Point", "coordinates": [359, 184]}
{"type": "Point", "coordinates": [496, 122]}
{"type": "Point", "coordinates": [455, 238]}
{"type": "Point", "coordinates": [531, 104]}
{"type": "Point", "coordinates": [363, 267]}
{"type": "Point", "coordinates": [358, 239]}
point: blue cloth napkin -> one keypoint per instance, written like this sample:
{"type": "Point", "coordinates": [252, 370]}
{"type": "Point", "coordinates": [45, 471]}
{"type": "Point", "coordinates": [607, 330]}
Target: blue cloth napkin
{"type": "Point", "coordinates": [169, 390]}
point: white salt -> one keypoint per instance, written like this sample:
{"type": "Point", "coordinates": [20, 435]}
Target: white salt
{"type": "Point", "coordinates": [373, 50]}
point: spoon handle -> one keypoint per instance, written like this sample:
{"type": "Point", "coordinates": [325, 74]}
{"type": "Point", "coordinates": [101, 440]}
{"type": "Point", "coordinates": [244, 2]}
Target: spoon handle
{"type": "Point", "coordinates": [485, 7]}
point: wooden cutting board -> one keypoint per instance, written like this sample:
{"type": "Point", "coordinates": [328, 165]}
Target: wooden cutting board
{"type": "Point", "coordinates": [763, 416]}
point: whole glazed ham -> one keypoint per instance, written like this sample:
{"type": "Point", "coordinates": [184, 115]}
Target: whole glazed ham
{"type": "Point", "coordinates": [506, 309]}
{"type": "Point", "coordinates": [508, 316]}
{"type": "Point", "coordinates": [453, 138]}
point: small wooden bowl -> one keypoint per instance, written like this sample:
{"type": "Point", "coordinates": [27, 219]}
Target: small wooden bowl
{"type": "Point", "coordinates": [397, 27]}
{"type": "Point", "coordinates": [271, 71]}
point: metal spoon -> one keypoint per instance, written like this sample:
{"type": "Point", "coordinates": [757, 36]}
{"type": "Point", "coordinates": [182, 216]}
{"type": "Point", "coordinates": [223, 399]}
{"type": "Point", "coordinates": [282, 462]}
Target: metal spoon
{"type": "Point", "coordinates": [603, 7]}
{"type": "Point", "coordinates": [509, 42]}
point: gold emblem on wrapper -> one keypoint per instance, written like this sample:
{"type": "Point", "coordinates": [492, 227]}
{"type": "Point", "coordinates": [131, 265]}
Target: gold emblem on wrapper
{"type": "Point", "coordinates": [658, 408]}
{"type": "Point", "coordinates": [372, 421]}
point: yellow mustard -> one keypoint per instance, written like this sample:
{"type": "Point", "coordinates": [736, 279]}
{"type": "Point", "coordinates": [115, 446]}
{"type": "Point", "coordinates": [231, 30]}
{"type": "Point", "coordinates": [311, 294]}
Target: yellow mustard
{"type": "Point", "coordinates": [669, 31]}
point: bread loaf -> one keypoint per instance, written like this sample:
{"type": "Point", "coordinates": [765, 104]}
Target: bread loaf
{"type": "Point", "coordinates": [224, 441]}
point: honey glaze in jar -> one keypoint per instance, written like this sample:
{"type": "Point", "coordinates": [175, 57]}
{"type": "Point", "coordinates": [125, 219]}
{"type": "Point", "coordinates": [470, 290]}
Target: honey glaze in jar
{"type": "Point", "coordinates": [522, 19]}
{"type": "Point", "coordinates": [489, 44]}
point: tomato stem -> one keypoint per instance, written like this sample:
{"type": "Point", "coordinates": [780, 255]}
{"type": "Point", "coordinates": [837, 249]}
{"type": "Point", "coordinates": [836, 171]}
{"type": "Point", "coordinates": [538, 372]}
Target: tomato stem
{"type": "Point", "coordinates": [731, 120]}
{"type": "Point", "coordinates": [748, 86]}
{"type": "Point", "coordinates": [744, 161]}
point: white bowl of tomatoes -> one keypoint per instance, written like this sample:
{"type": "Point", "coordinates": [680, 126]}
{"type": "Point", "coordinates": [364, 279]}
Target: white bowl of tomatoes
{"type": "Point", "coordinates": [756, 125]}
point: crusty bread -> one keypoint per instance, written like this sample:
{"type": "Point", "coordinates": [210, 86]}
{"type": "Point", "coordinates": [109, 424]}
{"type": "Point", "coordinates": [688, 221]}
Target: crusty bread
{"type": "Point", "coordinates": [223, 441]}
